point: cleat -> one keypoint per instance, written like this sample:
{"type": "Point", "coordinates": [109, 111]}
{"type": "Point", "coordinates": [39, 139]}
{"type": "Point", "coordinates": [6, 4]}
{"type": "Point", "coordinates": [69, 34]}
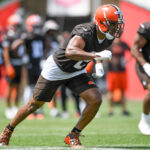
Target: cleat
{"type": "Point", "coordinates": [9, 113]}
{"type": "Point", "coordinates": [31, 117]}
{"type": "Point", "coordinates": [125, 113]}
{"type": "Point", "coordinates": [5, 137]}
{"type": "Point", "coordinates": [72, 139]}
{"type": "Point", "coordinates": [110, 114]}
{"type": "Point", "coordinates": [77, 115]}
{"type": "Point", "coordinates": [144, 127]}
{"type": "Point", "coordinates": [14, 111]}
{"type": "Point", "coordinates": [39, 116]}
{"type": "Point", "coordinates": [54, 112]}
{"type": "Point", "coordinates": [65, 115]}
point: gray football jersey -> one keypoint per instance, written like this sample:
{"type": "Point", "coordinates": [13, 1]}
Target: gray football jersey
{"type": "Point", "coordinates": [88, 32]}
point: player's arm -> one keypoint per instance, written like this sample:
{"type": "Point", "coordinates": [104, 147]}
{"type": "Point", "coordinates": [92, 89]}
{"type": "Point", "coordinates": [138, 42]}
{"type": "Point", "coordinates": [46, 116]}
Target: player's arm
{"type": "Point", "coordinates": [15, 45]}
{"type": "Point", "coordinates": [6, 56]}
{"type": "Point", "coordinates": [75, 50]}
{"type": "Point", "coordinates": [138, 43]}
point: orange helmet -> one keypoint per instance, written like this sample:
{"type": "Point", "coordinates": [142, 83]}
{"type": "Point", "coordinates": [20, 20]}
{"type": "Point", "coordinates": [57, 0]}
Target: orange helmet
{"type": "Point", "coordinates": [109, 17]}
{"type": "Point", "coordinates": [14, 20]}
{"type": "Point", "coordinates": [32, 22]}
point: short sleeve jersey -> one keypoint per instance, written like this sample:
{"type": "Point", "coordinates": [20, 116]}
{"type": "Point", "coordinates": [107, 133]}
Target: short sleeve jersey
{"type": "Point", "coordinates": [15, 55]}
{"type": "Point", "coordinates": [34, 49]}
{"type": "Point", "coordinates": [144, 30]}
{"type": "Point", "coordinates": [88, 32]}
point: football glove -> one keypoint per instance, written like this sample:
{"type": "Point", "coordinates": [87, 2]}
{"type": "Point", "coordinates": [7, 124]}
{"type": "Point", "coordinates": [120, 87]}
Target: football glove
{"type": "Point", "coordinates": [99, 70]}
{"type": "Point", "coordinates": [104, 55]}
{"type": "Point", "coordinates": [146, 68]}
{"type": "Point", "coordinates": [10, 71]}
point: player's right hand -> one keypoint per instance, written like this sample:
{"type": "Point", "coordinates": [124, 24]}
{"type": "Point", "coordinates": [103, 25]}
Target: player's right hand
{"type": "Point", "coordinates": [104, 55]}
{"type": "Point", "coordinates": [10, 71]}
{"type": "Point", "coordinates": [146, 68]}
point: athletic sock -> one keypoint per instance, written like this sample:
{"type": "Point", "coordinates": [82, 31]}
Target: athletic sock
{"type": "Point", "coordinates": [76, 130]}
{"type": "Point", "coordinates": [10, 127]}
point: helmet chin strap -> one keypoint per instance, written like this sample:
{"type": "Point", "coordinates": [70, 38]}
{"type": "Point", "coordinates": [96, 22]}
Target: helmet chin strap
{"type": "Point", "coordinates": [109, 36]}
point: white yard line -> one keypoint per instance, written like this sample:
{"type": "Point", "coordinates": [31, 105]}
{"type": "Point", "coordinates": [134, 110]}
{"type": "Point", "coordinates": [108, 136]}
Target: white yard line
{"type": "Point", "coordinates": [99, 147]}
{"type": "Point", "coordinates": [60, 148]}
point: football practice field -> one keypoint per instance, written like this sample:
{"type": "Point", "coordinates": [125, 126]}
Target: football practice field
{"type": "Point", "coordinates": [104, 132]}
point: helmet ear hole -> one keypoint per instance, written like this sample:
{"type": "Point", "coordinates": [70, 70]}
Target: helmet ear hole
{"type": "Point", "coordinates": [104, 25]}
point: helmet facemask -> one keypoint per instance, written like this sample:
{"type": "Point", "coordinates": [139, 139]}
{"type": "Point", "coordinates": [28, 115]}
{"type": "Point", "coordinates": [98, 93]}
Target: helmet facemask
{"type": "Point", "coordinates": [115, 28]}
{"type": "Point", "coordinates": [36, 29]}
{"type": "Point", "coordinates": [34, 24]}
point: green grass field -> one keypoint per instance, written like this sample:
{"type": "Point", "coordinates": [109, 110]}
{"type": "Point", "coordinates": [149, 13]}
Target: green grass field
{"type": "Point", "coordinates": [104, 132]}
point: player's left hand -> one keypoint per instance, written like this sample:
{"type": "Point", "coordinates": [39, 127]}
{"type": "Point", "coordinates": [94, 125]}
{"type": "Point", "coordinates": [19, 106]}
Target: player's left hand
{"type": "Point", "coordinates": [10, 71]}
{"type": "Point", "coordinates": [104, 55]}
{"type": "Point", "coordinates": [99, 70]}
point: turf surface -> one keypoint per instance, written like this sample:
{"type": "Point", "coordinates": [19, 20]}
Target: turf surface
{"type": "Point", "coordinates": [104, 132]}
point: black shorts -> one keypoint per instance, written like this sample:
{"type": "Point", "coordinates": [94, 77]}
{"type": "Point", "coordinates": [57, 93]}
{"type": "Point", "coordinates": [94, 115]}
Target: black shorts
{"type": "Point", "coordinates": [144, 78]}
{"type": "Point", "coordinates": [45, 89]}
{"type": "Point", "coordinates": [33, 75]}
{"type": "Point", "coordinates": [17, 78]}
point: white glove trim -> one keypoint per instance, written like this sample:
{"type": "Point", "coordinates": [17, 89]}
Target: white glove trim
{"type": "Point", "coordinates": [99, 70]}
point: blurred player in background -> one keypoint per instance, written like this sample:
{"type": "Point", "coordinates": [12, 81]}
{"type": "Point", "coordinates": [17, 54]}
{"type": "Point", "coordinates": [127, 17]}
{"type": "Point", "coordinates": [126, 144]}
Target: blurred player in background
{"type": "Point", "coordinates": [86, 42]}
{"type": "Point", "coordinates": [141, 52]}
{"type": "Point", "coordinates": [116, 77]}
{"type": "Point", "coordinates": [50, 31]}
{"type": "Point", "coordinates": [64, 97]}
{"type": "Point", "coordinates": [12, 53]}
{"type": "Point", "coordinates": [63, 88]}
{"type": "Point", "coordinates": [35, 45]}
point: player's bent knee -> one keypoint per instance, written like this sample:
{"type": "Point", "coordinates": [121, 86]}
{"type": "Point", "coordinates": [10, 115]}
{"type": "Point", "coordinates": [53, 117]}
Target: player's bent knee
{"type": "Point", "coordinates": [92, 97]}
{"type": "Point", "coordinates": [96, 98]}
{"type": "Point", "coordinates": [97, 101]}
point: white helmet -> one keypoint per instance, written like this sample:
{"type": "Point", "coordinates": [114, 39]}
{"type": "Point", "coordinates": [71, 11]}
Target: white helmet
{"type": "Point", "coordinates": [50, 25]}
{"type": "Point", "coordinates": [14, 20]}
{"type": "Point", "coordinates": [33, 22]}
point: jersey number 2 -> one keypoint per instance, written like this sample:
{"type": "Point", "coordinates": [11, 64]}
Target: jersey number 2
{"type": "Point", "coordinates": [81, 64]}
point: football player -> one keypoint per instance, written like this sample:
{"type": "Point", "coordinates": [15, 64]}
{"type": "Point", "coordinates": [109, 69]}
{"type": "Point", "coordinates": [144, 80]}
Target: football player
{"type": "Point", "coordinates": [35, 44]}
{"type": "Point", "coordinates": [116, 76]}
{"type": "Point", "coordinates": [50, 30]}
{"type": "Point", "coordinates": [86, 42]}
{"type": "Point", "coordinates": [140, 51]}
{"type": "Point", "coordinates": [12, 54]}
